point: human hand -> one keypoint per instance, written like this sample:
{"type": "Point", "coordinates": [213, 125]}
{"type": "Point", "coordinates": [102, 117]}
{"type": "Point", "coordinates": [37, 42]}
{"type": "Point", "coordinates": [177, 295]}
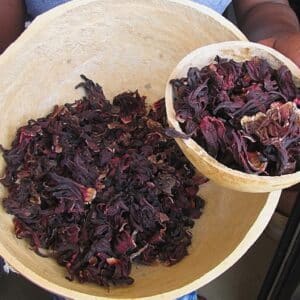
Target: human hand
{"type": "Point", "coordinates": [286, 43]}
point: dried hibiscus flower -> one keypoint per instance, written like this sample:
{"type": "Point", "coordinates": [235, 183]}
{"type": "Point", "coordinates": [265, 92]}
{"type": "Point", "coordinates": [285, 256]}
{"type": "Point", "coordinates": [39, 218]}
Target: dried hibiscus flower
{"type": "Point", "coordinates": [102, 185]}
{"type": "Point", "coordinates": [245, 114]}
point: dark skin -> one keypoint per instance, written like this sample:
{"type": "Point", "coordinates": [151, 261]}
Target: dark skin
{"type": "Point", "coordinates": [270, 22]}
{"type": "Point", "coordinates": [12, 20]}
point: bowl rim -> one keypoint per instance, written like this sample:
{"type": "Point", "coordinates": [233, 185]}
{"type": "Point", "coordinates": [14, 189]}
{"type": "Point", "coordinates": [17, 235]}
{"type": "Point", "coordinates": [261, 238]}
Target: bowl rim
{"type": "Point", "coordinates": [189, 142]}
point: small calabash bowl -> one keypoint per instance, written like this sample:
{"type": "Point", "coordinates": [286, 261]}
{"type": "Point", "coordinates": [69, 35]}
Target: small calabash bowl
{"type": "Point", "coordinates": [205, 163]}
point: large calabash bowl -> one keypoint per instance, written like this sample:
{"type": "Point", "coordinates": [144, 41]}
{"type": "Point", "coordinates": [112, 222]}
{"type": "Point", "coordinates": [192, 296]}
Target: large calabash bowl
{"type": "Point", "coordinates": [122, 45]}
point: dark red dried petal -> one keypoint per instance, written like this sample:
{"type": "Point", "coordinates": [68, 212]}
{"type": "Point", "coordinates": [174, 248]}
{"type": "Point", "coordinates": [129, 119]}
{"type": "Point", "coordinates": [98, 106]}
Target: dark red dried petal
{"type": "Point", "coordinates": [213, 131]}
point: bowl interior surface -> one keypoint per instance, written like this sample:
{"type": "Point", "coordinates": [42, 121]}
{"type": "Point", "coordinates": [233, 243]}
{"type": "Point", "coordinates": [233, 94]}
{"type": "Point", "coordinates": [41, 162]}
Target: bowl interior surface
{"type": "Point", "coordinates": [122, 45]}
{"type": "Point", "coordinates": [206, 164]}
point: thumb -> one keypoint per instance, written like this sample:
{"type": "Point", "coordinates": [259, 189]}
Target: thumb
{"type": "Point", "coordinates": [290, 47]}
{"type": "Point", "coordinates": [268, 42]}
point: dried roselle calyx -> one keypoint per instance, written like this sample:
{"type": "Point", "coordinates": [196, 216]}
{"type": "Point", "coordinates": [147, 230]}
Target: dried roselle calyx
{"type": "Point", "coordinates": [101, 185]}
{"type": "Point", "coordinates": [278, 128]}
{"type": "Point", "coordinates": [244, 114]}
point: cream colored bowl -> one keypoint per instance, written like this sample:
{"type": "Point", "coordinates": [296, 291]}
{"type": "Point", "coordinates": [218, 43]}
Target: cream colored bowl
{"type": "Point", "coordinates": [122, 45]}
{"type": "Point", "coordinates": [203, 162]}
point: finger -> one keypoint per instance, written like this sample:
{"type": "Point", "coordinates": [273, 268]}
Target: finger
{"type": "Point", "coordinates": [268, 42]}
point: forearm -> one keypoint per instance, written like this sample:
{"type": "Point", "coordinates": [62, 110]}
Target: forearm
{"type": "Point", "coordinates": [261, 20]}
{"type": "Point", "coordinates": [12, 21]}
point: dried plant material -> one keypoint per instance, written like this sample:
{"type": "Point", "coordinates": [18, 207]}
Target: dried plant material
{"type": "Point", "coordinates": [101, 185]}
{"type": "Point", "coordinates": [244, 114]}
